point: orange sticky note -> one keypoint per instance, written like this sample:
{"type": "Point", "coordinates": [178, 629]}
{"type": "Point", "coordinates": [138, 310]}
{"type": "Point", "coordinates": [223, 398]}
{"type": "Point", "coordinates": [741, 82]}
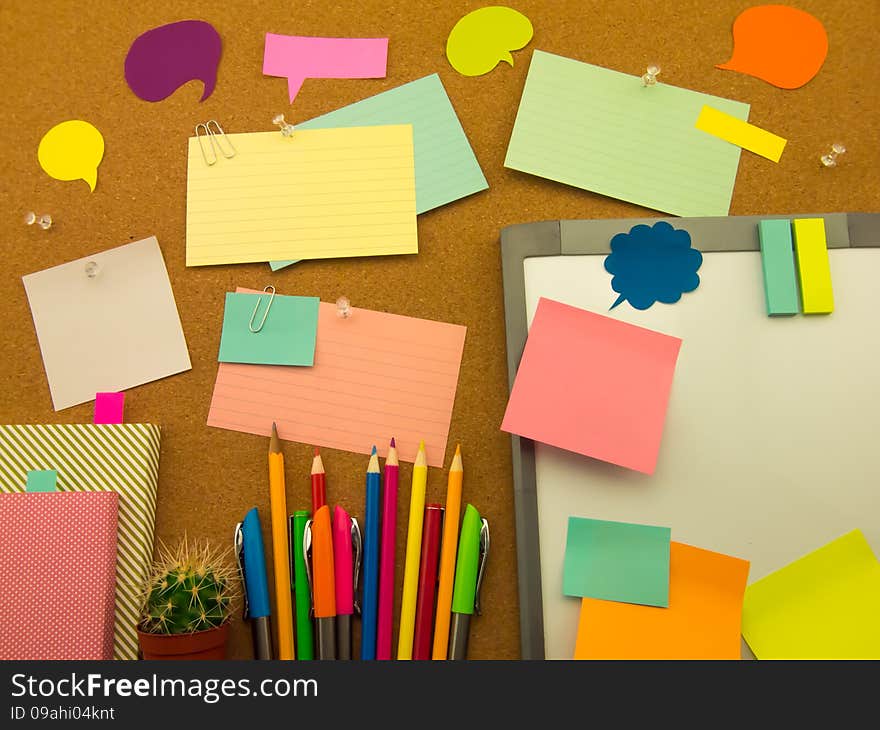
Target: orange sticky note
{"type": "Point", "coordinates": [703, 620]}
{"type": "Point", "coordinates": [594, 385]}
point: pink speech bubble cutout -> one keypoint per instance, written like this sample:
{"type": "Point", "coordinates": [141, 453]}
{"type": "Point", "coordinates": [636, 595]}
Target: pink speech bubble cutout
{"type": "Point", "coordinates": [305, 57]}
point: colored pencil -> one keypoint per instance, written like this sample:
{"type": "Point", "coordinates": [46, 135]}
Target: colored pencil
{"type": "Point", "coordinates": [280, 550]}
{"type": "Point", "coordinates": [447, 556]}
{"type": "Point", "coordinates": [371, 559]}
{"type": "Point", "coordinates": [413, 549]}
{"type": "Point", "coordinates": [387, 557]}
{"type": "Point", "coordinates": [319, 483]}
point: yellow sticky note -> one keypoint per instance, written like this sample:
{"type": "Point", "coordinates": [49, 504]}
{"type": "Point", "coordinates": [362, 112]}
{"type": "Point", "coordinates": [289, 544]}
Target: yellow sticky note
{"type": "Point", "coordinates": [742, 134]}
{"type": "Point", "coordinates": [822, 606]}
{"type": "Point", "coordinates": [320, 193]}
{"type": "Point", "coordinates": [814, 268]}
{"type": "Point", "coordinates": [72, 150]}
{"type": "Point", "coordinates": [483, 38]}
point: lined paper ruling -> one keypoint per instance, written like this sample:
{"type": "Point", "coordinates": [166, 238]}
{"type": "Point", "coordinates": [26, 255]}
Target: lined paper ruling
{"type": "Point", "coordinates": [446, 168]}
{"type": "Point", "coordinates": [376, 375]}
{"type": "Point", "coordinates": [602, 130]}
{"type": "Point", "coordinates": [320, 193]}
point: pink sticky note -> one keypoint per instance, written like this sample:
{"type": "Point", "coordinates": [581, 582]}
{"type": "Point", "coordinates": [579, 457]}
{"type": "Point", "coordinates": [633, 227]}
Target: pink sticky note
{"type": "Point", "coordinates": [594, 385]}
{"type": "Point", "coordinates": [109, 407]}
{"type": "Point", "coordinates": [304, 57]}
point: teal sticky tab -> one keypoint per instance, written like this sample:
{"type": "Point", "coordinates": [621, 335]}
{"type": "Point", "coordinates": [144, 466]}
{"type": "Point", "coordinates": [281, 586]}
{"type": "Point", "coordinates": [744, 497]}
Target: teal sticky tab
{"type": "Point", "coordinates": [446, 167]}
{"type": "Point", "coordinates": [287, 336]}
{"type": "Point", "coordinates": [777, 260]}
{"type": "Point", "coordinates": [617, 561]}
{"type": "Point", "coordinates": [42, 480]}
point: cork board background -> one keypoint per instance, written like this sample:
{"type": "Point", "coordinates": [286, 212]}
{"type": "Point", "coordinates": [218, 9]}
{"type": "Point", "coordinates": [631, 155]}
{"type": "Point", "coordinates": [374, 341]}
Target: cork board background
{"type": "Point", "coordinates": [64, 60]}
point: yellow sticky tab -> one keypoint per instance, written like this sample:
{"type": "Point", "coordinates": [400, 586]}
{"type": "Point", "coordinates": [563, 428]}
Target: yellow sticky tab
{"type": "Point", "coordinates": [742, 134]}
{"type": "Point", "coordinates": [814, 269]}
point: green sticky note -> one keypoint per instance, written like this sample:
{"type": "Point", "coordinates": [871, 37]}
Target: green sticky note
{"type": "Point", "coordinates": [42, 480]}
{"type": "Point", "coordinates": [617, 561]}
{"type": "Point", "coordinates": [275, 265]}
{"type": "Point", "coordinates": [602, 130]}
{"type": "Point", "coordinates": [287, 336]}
{"type": "Point", "coordinates": [446, 168]}
{"type": "Point", "coordinates": [777, 261]}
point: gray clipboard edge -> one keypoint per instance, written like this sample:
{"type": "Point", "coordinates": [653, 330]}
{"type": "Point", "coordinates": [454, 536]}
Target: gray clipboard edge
{"type": "Point", "coordinates": [518, 243]}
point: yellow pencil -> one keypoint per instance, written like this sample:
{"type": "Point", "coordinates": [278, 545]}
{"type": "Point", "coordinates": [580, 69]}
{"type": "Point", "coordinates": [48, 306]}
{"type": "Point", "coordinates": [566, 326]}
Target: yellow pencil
{"type": "Point", "coordinates": [413, 553]}
{"type": "Point", "coordinates": [447, 557]}
{"type": "Point", "coordinates": [280, 552]}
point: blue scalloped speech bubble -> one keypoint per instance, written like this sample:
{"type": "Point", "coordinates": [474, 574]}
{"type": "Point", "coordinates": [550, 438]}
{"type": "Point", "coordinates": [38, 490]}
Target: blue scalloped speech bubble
{"type": "Point", "coordinates": [652, 264]}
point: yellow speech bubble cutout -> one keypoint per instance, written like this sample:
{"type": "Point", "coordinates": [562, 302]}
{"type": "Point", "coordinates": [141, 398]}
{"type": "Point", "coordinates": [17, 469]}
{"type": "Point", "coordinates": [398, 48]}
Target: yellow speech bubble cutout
{"type": "Point", "coordinates": [72, 151]}
{"type": "Point", "coordinates": [486, 36]}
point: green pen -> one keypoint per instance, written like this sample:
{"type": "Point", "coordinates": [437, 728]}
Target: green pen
{"type": "Point", "coordinates": [305, 644]}
{"type": "Point", "coordinates": [473, 550]}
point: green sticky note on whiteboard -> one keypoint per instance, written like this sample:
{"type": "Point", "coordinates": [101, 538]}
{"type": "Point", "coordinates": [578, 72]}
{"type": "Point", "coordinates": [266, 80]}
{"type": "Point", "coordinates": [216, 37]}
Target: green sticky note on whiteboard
{"type": "Point", "coordinates": [617, 561]}
{"type": "Point", "coordinates": [287, 337]}
{"type": "Point", "coordinates": [602, 130]}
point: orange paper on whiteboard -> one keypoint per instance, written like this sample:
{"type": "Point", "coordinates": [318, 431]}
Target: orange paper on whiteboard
{"type": "Point", "coordinates": [376, 375]}
{"type": "Point", "coordinates": [703, 620]}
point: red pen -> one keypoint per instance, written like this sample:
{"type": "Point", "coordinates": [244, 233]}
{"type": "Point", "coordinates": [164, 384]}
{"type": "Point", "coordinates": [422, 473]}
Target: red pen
{"type": "Point", "coordinates": [319, 483]}
{"type": "Point", "coordinates": [430, 557]}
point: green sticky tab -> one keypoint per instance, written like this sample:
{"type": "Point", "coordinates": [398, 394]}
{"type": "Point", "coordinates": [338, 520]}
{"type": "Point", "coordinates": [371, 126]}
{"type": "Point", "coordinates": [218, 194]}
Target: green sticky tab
{"type": "Point", "coordinates": [777, 259]}
{"type": "Point", "coordinates": [617, 561]}
{"type": "Point", "coordinates": [286, 337]}
{"type": "Point", "coordinates": [43, 480]}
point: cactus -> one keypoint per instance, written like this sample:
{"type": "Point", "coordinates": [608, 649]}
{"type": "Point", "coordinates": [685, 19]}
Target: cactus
{"type": "Point", "coordinates": [191, 588]}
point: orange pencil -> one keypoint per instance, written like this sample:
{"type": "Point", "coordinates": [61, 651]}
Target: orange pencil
{"type": "Point", "coordinates": [319, 483]}
{"type": "Point", "coordinates": [447, 557]}
{"type": "Point", "coordinates": [324, 580]}
{"type": "Point", "coordinates": [280, 550]}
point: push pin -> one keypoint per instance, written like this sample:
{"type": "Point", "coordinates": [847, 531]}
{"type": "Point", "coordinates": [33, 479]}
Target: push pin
{"type": "Point", "coordinates": [286, 129]}
{"type": "Point", "coordinates": [92, 269]}
{"type": "Point", "coordinates": [830, 160]}
{"type": "Point", "coordinates": [43, 221]}
{"type": "Point", "coordinates": [650, 76]}
{"type": "Point", "coordinates": [343, 308]}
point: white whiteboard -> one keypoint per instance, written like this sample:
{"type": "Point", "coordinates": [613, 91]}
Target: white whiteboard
{"type": "Point", "coordinates": [771, 446]}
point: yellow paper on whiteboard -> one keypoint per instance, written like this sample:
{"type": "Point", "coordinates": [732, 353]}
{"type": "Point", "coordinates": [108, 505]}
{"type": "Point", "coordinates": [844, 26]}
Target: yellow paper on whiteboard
{"type": "Point", "coordinates": [321, 193]}
{"type": "Point", "coordinates": [742, 134]}
{"type": "Point", "coordinates": [822, 606]}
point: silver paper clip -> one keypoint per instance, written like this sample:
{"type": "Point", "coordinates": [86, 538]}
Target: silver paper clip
{"type": "Point", "coordinates": [223, 143]}
{"type": "Point", "coordinates": [257, 306]}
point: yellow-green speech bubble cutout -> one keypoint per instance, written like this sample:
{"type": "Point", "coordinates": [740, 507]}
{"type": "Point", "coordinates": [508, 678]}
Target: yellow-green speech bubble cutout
{"type": "Point", "coordinates": [72, 151]}
{"type": "Point", "coordinates": [486, 36]}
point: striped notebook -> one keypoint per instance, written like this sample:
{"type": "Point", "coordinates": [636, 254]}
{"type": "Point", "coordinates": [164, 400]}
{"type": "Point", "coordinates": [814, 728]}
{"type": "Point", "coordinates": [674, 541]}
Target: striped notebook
{"type": "Point", "coordinates": [90, 458]}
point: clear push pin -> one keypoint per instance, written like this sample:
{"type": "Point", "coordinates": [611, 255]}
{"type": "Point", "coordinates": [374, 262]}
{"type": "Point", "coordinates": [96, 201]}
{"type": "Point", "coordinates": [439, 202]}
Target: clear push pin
{"type": "Point", "coordinates": [286, 129]}
{"type": "Point", "coordinates": [650, 76]}
{"type": "Point", "coordinates": [43, 221]}
{"type": "Point", "coordinates": [830, 160]}
{"type": "Point", "coordinates": [343, 308]}
{"type": "Point", "coordinates": [92, 269]}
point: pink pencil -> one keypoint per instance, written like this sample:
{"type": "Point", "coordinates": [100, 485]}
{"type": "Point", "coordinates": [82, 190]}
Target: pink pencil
{"type": "Point", "coordinates": [386, 558]}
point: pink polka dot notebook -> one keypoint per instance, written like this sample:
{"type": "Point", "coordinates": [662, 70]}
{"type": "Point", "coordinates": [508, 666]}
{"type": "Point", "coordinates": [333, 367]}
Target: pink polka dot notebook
{"type": "Point", "coordinates": [58, 575]}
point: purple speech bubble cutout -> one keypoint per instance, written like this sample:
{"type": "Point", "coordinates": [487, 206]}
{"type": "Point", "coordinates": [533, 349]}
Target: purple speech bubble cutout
{"type": "Point", "coordinates": [163, 59]}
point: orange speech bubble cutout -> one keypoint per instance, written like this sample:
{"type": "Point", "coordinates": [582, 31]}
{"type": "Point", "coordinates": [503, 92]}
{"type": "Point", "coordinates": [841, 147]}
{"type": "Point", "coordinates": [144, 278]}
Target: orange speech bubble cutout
{"type": "Point", "coordinates": [781, 45]}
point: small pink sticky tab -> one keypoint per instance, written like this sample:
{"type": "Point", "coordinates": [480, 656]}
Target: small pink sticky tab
{"type": "Point", "coordinates": [109, 407]}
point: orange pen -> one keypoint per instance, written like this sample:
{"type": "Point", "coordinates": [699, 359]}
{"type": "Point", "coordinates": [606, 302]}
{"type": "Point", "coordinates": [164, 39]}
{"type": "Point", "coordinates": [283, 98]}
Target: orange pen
{"type": "Point", "coordinates": [319, 545]}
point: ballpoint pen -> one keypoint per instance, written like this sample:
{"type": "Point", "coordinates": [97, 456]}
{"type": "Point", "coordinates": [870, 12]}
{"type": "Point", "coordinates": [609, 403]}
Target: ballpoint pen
{"type": "Point", "coordinates": [385, 621]}
{"type": "Point", "coordinates": [252, 565]}
{"type": "Point", "coordinates": [411, 561]}
{"type": "Point", "coordinates": [346, 567]}
{"type": "Point", "coordinates": [473, 551]}
{"type": "Point", "coordinates": [318, 548]}
{"type": "Point", "coordinates": [305, 643]}
{"type": "Point", "coordinates": [433, 523]}
{"type": "Point", "coordinates": [319, 482]}
{"type": "Point", "coordinates": [370, 601]}
{"type": "Point", "coordinates": [280, 550]}
{"type": "Point", "coordinates": [448, 550]}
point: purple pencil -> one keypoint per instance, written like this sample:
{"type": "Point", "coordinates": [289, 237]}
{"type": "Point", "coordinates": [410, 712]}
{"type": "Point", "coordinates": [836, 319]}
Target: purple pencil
{"type": "Point", "coordinates": [386, 558]}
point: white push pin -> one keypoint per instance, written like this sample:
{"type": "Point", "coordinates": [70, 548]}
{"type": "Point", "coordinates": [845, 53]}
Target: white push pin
{"type": "Point", "coordinates": [343, 308]}
{"type": "Point", "coordinates": [43, 221]}
{"type": "Point", "coordinates": [830, 160]}
{"type": "Point", "coordinates": [286, 129]}
{"type": "Point", "coordinates": [92, 269]}
{"type": "Point", "coordinates": [650, 77]}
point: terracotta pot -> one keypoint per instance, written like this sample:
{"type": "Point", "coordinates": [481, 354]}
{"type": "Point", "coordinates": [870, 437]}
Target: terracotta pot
{"type": "Point", "coordinates": [210, 644]}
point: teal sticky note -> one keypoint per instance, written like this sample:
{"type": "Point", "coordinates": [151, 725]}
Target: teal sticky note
{"type": "Point", "coordinates": [42, 480]}
{"type": "Point", "coordinates": [446, 167]}
{"type": "Point", "coordinates": [777, 261]}
{"type": "Point", "coordinates": [617, 561]}
{"type": "Point", "coordinates": [287, 337]}
{"type": "Point", "coordinates": [275, 265]}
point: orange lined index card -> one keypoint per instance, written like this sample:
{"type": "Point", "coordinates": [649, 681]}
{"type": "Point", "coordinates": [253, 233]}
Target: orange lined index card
{"type": "Point", "coordinates": [376, 375]}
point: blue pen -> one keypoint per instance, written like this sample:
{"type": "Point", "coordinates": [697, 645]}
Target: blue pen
{"type": "Point", "coordinates": [371, 560]}
{"type": "Point", "coordinates": [252, 565]}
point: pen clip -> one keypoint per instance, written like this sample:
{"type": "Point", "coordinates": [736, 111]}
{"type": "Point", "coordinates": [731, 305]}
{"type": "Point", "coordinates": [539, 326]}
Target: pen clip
{"type": "Point", "coordinates": [484, 555]}
{"type": "Point", "coordinates": [307, 556]}
{"type": "Point", "coordinates": [356, 548]}
{"type": "Point", "coordinates": [238, 547]}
